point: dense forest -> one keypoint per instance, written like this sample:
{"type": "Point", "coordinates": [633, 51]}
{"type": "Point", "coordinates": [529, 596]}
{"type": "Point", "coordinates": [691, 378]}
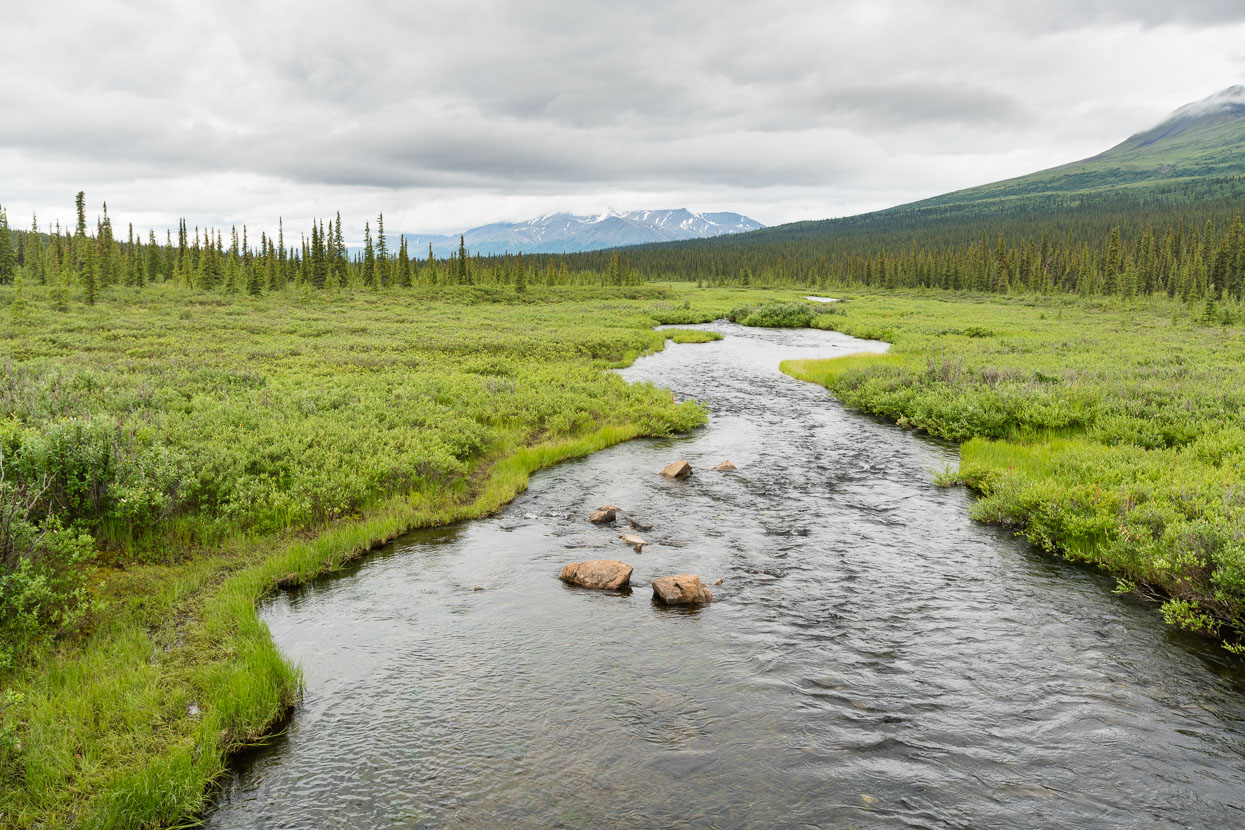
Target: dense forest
{"type": "Point", "coordinates": [1185, 241]}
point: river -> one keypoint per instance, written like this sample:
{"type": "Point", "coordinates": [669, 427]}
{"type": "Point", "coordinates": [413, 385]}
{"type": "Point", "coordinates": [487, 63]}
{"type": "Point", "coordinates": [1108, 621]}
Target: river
{"type": "Point", "coordinates": [874, 659]}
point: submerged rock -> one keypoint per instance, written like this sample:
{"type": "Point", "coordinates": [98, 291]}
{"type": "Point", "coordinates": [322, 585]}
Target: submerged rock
{"type": "Point", "coordinates": [603, 515]}
{"type": "Point", "coordinates": [677, 470]}
{"type": "Point", "coordinates": [726, 467]}
{"type": "Point", "coordinates": [607, 574]}
{"type": "Point", "coordinates": [638, 525]}
{"type": "Point", "coordinates": [635, 541]}
{"type": "Point", "coordinates": [682, 589]}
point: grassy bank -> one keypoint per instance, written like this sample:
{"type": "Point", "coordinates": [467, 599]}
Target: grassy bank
{"type": "Point", "coordinates": [1108, 432]}
{"type": "Point", "coordinates": [209, 449]}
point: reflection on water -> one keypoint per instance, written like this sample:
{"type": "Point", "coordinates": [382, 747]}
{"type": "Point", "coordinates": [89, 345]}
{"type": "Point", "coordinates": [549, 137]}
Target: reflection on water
{"type": "Point", "coordinates": [874, 659]}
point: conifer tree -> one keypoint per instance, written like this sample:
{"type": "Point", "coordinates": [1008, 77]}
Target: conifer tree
{"type": "Point", "coordinates": [35, 252]}
{"type": "Point", "coordinates": [430, 268]}
{"type": "Point", "coordinates": [90, 277]}
{"type": "Point", "coordinates": [8, 257]}
{"type": "Point", "coordinates": [58, 294]}
{"type": "Point", "coordinates": [520, 277]}
{"type": "Point", "coordinates": [382, 253]}
{"type": "Point", "coordinates": [369, 257]}
{"type": "Point", "coordinates": [404, 264]}
{"type": "Point", "coordinates": [341, 265]}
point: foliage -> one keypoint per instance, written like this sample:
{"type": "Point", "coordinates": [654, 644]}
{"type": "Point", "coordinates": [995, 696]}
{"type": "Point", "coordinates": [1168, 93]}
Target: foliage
{"type": "Point", "coordinates": [691, 335]}
{"type": "Point", "coordinates": [773, 315]}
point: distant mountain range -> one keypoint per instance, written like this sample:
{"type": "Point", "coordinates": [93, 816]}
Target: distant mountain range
{"type": "Point", "coordinates": [560, 233]}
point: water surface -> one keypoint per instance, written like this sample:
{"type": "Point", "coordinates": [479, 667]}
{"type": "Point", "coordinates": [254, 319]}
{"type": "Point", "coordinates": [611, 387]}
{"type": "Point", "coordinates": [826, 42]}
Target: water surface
{"type": "Point", "coordinates": [874, 659]}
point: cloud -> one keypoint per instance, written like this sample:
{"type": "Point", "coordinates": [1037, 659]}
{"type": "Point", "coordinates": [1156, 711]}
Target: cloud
{"type": "Point", "coordinates": [454, 114]}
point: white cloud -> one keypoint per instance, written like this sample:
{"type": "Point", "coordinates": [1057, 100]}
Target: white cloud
{"type": "Point", "coordinates": [445, 115]}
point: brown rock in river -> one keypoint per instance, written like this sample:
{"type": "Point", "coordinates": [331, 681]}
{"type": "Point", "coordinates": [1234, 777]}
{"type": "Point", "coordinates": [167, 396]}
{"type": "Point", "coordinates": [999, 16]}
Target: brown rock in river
{"type": "Point", "coordinates": [608, 574]}
{"type": "Point", "coordinates": [635, 541]}
{"type": "Point", "coordinates": [603, 515]}
{"type": "Point", "coordinates": [638, 525]}
{"type": "Point", "coordinates": [726, 467]}
{"type": "Point", "coordinates": [677, 470]}
{"type": "Point", "coordinates": [683, 589]}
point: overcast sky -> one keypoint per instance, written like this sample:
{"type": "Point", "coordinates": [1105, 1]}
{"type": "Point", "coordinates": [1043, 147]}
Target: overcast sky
{"type": "Point", "coordinates": [446, 115]}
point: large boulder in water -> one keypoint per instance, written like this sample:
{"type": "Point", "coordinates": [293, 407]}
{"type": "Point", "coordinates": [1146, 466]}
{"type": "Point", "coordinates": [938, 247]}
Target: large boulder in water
{"type": "Point", "coordinates": [677, 470]}
{"type": "Point", "coordinates": [607, 574]}
{"type": "Point", "coordinates": [683, 589]}
{"type": "Point", "coordinates": [725, 467]}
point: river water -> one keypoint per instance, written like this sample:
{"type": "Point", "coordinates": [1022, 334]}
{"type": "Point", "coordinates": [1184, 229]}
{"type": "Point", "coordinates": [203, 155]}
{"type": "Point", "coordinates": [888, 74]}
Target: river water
{"type": "Point", "coordinates": [873, 659]}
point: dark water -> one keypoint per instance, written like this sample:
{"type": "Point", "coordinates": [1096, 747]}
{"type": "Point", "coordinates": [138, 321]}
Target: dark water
{"type": "Point", "coordinates": [875, 659]}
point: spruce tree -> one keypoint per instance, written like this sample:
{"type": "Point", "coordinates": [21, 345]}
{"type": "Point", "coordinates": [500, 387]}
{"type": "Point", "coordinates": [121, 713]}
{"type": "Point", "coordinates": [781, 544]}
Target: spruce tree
{"type": "Point", "coordinates": [404, 264]}
{"type": "Point", "coordinates": [369, 257]}
{"type": "Point", "coordinates": [382, 253]}
{"type": "Point", "coordinates": [8, 257]}
{"type": "Point", "coordinates": [35, 254]}
{"type": "Point", "coordinates": [90, 277]}
{"type": "Point", "coordinates": [520, 277]}
{"type": "Point", "coordinates": [430, 268]}
{"type": "Point", "coordinates": [58, 294]}
{"type": "Point", "coordinates": [341, 265]}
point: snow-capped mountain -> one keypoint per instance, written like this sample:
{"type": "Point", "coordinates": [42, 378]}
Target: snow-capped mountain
{"type": "Point", "coordinates": [565, 232]}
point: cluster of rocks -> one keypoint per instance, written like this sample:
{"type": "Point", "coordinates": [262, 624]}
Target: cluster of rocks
{"type": "Point", "coordinates": [612, 575]}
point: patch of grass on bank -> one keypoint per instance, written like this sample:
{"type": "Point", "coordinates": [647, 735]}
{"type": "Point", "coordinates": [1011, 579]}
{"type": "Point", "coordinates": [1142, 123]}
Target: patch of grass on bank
{"type": "Point", "coordinates": [1109, 432]}
{"type": "Point", "coordinates": [212, 448]}
{"type": "Point", "coordinates": [691, 335]}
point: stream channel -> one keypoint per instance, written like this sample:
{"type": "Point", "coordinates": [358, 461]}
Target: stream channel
{"type": "Point", "coordinates": [874, 659]}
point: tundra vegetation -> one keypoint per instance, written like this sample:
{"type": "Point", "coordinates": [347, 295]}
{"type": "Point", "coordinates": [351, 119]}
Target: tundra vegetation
{"type": "Point", "coordinates": [186, 426]}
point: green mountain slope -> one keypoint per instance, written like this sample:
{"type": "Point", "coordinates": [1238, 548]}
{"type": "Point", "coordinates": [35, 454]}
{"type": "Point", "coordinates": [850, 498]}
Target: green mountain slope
{"type": "Point", "coordinates": [1199, 141]}
{"type": "Point", "coordinates": [1183, 173]}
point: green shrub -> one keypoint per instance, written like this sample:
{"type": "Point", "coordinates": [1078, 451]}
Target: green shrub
{"type": "Point", "coordinates": [778, 315]}
{"type": "Point", "coordinates": [42, 580]}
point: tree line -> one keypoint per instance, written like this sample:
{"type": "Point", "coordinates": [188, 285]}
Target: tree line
{"type": "Point", "coordinates": [1185, 240]}
{"type": "Point", "coordinates": [91, 260]}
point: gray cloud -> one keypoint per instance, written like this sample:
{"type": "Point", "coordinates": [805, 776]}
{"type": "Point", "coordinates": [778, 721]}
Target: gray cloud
{"type": "Point", "coordinates": [445, 114]}
{"type": "Point", "coordinates": [920, 103]}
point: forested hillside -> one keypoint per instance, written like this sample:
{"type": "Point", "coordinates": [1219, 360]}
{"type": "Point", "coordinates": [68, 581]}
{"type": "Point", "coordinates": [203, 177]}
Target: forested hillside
{"type": "Point", "coordinates": [1158, 212]}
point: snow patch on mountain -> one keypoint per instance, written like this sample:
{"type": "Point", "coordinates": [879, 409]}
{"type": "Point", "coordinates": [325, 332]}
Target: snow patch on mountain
{"type": "Point", "coordinates": [565, 232]}
{"type": "Point", "coordinates": [1231, 99]}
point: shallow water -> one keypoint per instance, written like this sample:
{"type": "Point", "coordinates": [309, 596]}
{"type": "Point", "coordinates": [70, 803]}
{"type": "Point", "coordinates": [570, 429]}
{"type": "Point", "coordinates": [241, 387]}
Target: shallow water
{"type": "Point", "coordinates": [874, 659]}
